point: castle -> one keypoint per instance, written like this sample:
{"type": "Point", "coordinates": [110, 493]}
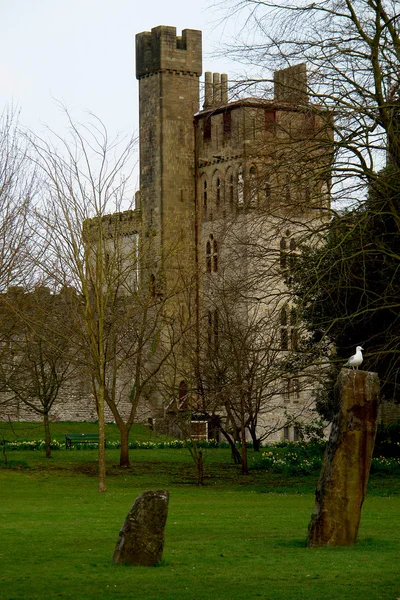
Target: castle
{"type": "Point", "coordinates": [227, 191]}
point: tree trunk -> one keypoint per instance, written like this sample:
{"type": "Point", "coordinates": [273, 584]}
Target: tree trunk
{"type": "Point", "coordinates": [102, 451]}
{"type": "Point", "coordinates": [235, 452]}
{"type": "Point", "coordinates": [200, 468]}
{"type": "Point", "coordinates": [255, 440]}
{"type": "Point", "coordinates": [245, 468]}
{"type": "Point", "coordinates": [47, 436]}
{"type": "Point", "coordinates": [124, 452]}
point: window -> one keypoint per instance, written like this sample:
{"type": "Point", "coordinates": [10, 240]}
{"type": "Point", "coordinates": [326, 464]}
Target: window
{"type": "Point", "coordinates": [218, 192]}
{"type": "Point", "coordinates": [253, 193]}
{"type": "Point", "coordinates": [205, 194]}
{"type": "Point", "coordinates": [296, 434]}
{"type": "Point", "coordinates": [309, 123]}
{"type": "Point", "coordinates": [212, 255]}
{"type": "Point", "coordinates": [227, 123]}
{"type": "Point", "coordinates": [270, 121]}
{"type": "Point", "coordinates": [229, 188]}
{"type": "Point", "coordinates": [240, 187]}
{"type": "Point", "coordinates": [286, 433]}
{"type": "Point", "coordinates": [296, 389]}
{"type": "Point", "coordinates": [207, 129]}
{"type": "Point", "coordinates": [208, 256]}
{"type": "Point", "coordinates": [215, 256]}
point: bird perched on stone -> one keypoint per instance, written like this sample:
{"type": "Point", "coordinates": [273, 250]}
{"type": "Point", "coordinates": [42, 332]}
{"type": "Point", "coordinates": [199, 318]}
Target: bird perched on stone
{"type": "Point", "coordinates": [355, 360]}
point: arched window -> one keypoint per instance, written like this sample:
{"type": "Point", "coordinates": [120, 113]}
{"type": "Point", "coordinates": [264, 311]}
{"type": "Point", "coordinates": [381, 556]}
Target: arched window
{"type": "Point", "coordinates": [205, 194]}
{"type": "Point", "coordinates": [229, 188]}
{"type": "Point", "coordinates": [212, 255]}
{"type": "Point", "coordinates": [215, 256]}
{"type": "Point", "coordinates": [240, 187]}
{"type": "Point", "coordinates": [216, 190]}
{"type": "Point", "coordinates": [253, 192]}
{"type": "Point", "coordinates": [208, 256]}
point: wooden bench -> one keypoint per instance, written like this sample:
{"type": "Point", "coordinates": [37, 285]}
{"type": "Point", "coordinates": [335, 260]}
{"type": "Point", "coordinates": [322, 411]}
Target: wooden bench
{"type": "Point", "coordinates": [81, 438]}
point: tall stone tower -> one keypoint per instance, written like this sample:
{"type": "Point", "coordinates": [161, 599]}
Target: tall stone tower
{"type": "Point", "coordinates": [168, 68]}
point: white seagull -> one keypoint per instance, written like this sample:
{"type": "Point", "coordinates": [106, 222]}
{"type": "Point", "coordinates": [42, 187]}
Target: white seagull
{"type": "Point", "coordinates": [356, 359]}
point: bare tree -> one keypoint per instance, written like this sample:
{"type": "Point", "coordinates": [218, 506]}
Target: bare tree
{"type": "Point", "coordinates": [17, 193]}
{"type": "Point", "coordinates": [352, 51]}
{"type": "Point", "coordinates": [84, 177]}
{"type": "Point", "coordinates": [38, 358]}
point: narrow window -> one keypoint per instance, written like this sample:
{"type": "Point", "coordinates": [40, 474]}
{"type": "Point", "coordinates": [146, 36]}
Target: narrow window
{"type": "Point", "coordinates": [286, 433]}
{"type": "Point", "coordinates": [208, 256]}
{"type": "Point", "coordinates": [218, 192]}
{"type": "Point", "coordinates": [207, 130]}
{"type": "Point", "coordinates": [253, 187]}
{"type": "Point", "coordinates": [296, 389]}
{"type": "Point", "coordinates": [215, 256]}
{"type": "Point", "coordinates": [296, 434]}
{"type": "Point", "coordinates": [212, 255]}
{"type": "Point", "coordinates": [227, 122]}
{"type": "Point", "coordinates": [240, 188]}
{"type": "Point", "coordinates": [205, 194]}
{"type": "Point", "coordinates": [309, 123]}
{"type": "Point", "coordinates": [269, 121]}
{"type": "Point", "coordinates": [230, 189]}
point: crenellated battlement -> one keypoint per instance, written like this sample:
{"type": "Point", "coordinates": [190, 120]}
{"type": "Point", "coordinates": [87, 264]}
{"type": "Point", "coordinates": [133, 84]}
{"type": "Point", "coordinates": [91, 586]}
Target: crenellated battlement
{"type": "Point", "coordinates": [161, 49]}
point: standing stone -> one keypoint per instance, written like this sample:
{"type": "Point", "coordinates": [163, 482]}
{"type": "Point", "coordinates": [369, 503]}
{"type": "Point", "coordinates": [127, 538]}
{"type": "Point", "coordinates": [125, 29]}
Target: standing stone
{"type": "Point", "coordinates": [344, 476]}
{"type": "Point", "coordinates": [141, 539]}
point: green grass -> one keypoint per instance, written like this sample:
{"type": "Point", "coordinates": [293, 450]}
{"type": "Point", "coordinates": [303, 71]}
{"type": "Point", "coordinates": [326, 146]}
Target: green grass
{"type": "Point", "coordinates": [239, 537]}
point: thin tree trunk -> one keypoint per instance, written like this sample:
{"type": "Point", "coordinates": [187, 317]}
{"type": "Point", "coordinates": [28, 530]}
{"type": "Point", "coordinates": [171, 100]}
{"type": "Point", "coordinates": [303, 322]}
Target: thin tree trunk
{"type": "Point", "coordinates": [102, 452]}
{"type": "Point", "coordinates": [245, 468]}
{"type": "Point", "coordinates": [47, 436]}
{"type": "Point", "coordinates": [235, 452]}
{"type": "Point", "coordinates": [124, 452]}
{"type": "Point", "coordinates": [200, 468]}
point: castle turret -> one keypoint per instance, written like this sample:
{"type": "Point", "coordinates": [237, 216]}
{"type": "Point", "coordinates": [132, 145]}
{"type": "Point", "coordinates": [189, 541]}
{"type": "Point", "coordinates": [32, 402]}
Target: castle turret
{"type": "Point", "coordinates": [168, 68]}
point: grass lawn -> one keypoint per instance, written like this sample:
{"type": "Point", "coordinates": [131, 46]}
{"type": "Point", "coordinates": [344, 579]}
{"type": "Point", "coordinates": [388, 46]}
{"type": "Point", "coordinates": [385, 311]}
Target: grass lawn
{"type": "Point", "coordinates": [239, 537]}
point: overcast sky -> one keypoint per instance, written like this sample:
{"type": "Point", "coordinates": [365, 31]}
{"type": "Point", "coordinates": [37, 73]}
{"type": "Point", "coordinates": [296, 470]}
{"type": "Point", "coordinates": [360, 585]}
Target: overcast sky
{"type": "Point", "coordinates": [81, 53]}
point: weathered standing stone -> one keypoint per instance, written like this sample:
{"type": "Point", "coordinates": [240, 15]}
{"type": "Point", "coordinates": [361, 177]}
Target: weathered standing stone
{"type": "Point", "coordinates": [141, 539]}
{"type": "Point", "coordinates": [344, 476]}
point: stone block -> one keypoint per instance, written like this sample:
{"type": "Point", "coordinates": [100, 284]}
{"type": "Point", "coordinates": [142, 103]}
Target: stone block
{"type": "Point", "coordinates": [344, 476]}
{"type": "Point", "coordinates": [141, 539]}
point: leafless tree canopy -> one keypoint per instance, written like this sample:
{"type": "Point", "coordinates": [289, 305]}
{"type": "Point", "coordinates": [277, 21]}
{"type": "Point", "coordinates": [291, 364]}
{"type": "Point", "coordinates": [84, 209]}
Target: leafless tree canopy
{"type": "Point", "coordinates": [352, 52]}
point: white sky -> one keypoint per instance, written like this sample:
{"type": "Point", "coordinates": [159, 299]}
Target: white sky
{"type": "Point", "coordinates": [81, 53]}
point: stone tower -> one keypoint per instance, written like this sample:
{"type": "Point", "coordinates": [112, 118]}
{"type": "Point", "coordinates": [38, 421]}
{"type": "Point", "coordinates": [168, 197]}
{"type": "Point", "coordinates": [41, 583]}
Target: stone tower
{"type": "Point", "coordinates": [168, 68]}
